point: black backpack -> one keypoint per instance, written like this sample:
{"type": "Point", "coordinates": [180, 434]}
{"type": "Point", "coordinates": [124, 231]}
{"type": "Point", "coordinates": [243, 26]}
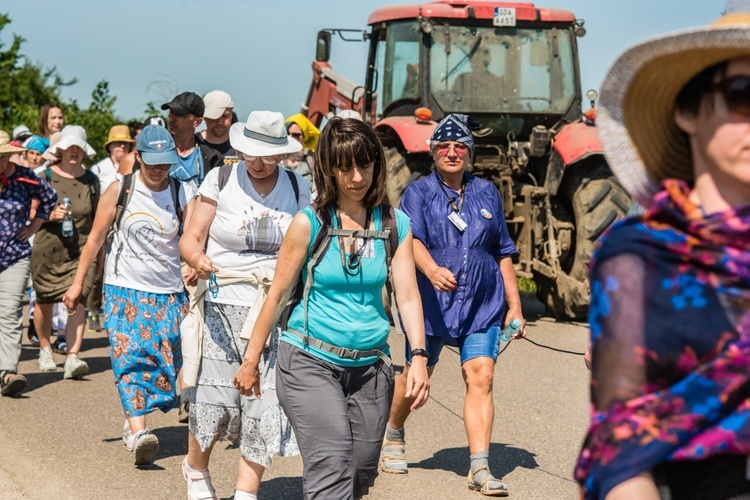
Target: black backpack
{"type": "Point", "coordinates": [320, 245]}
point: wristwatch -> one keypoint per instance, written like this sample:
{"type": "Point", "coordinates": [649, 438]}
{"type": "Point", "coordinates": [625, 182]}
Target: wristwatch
{"type": "Point", "coordinates": [419, 352]}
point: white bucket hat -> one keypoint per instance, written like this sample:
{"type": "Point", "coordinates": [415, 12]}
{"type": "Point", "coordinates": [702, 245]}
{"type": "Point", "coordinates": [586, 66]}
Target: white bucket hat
{"type": "Point", "coordinates": [636, 111]}
{"type": "Point", "coordinates": [72, 135]}
{"type": "Point", "coordinates": [264, 134]}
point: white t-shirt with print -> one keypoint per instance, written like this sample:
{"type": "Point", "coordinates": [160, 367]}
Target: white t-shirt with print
{"type": "Point", "coordinates": [247, 229]}
{"type": "Point", "coordinates": [144, 254]}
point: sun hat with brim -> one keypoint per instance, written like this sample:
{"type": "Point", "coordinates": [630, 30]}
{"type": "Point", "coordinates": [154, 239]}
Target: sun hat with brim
{"type": "Point", "coordinates": [264, 134]}
{"type": "Point", "coordinates": [21, 132]}
{"type": "Point", "coordinates": [156, 146]}
{"type": "Point", "coordinates": [72, 135]}
{"type": "Point", "coordinates": [6, 146]}
{"type": "Point", "coordinates": [119, 133]}
{"type": "Point", "coordinates": [635, 114]}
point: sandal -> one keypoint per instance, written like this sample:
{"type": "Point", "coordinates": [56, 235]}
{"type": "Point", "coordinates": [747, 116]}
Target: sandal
{"type": "Point", "coordinates": [60, 346]}
{"type": "Point", "coordinates": [393, 460]}
{"type": "Point", "coordinates": [486, 484]}
{"type": "Point", "coordinates": [11, 383]}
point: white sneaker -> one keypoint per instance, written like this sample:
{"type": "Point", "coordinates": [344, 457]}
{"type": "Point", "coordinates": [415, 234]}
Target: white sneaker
{"type": "Point", "coordinates": [126, 435]}
{"type": "Point", "coordinates": [199, 485]}
{"type": "Point", "coordinates": [74, 367]}
{"type": "Point", "coordinates": [144, 446]}
{"type": "Point", "coordinates": [46, 360]}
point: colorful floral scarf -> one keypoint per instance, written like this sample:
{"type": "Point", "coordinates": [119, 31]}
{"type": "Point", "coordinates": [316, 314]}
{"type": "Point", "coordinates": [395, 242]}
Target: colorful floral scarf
{"type": "Point", "coordinates": [692, 351]}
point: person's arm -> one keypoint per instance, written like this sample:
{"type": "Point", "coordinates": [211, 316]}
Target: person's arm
{"type": "Point", "coordinates": [512, 297]}
{"type": "Point", "coordinates": [193, 239]}
{"type": "Point", "coordinates": [441, 278]}
{"type": "Point", "coordinates": [105, 215]}
{"type": "Point", "coordinates": [410, 309]}
{"type": "Point", "coordinates": [292, 256]}
{"type": "Point", "coordinates": [43, 199]}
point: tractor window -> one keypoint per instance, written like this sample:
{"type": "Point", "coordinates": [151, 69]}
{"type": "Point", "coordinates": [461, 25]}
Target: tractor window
{"type": "Point", "coordinates": [501, 70]}
{"type": "Point", "coordinates": [397, 64]}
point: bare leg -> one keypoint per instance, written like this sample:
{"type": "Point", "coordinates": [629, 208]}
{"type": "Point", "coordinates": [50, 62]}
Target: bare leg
{"type": "Point", "coordinates": [196, 458]}
{"type": "Point", "coordinates": [479, 410]}
{"type": "Point", "coordinates": [401, 405]}
{"type": "Point", "coordinates": [74, 330]}
{"type": "Point", "coordinates": [137, 423]}
{"type": "Point", "coordinates": [43, 323]}
{"type": "Point", "coordinates": [249, 475]}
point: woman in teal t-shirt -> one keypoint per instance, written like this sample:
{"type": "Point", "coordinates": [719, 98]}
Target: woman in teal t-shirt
{"type": "Point", "coordinates": [338, 400]}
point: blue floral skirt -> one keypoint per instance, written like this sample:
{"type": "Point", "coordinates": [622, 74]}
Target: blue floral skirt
{"type": "Point", "coordinates": [145, 346]}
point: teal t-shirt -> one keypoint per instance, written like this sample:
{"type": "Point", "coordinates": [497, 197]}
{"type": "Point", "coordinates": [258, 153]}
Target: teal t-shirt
{"type": "Point", "coordinates": [343, 310]}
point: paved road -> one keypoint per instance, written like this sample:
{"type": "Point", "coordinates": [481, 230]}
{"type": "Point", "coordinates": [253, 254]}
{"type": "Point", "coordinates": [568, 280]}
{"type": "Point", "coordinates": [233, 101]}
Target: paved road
{"type": "Point", "coordinates": [62, 439]}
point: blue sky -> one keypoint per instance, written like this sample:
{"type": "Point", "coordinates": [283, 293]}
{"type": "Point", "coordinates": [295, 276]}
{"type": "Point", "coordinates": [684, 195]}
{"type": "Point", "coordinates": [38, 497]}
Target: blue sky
{"type": "Point", "coordinates": [261, 51]}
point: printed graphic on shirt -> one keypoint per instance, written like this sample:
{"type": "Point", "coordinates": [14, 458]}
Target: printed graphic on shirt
{"type": "Point", "coordinates": [262, 232]}
{"type": "Point", "coordinates": [143, 226]}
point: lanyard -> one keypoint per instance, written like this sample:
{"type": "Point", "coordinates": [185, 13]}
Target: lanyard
{"type": "Point", "coordinates": [456, 208]}
{"type": "Point", "coordinates": [352, 264]}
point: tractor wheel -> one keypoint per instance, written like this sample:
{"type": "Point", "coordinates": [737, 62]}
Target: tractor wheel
{"type": "Point", "coordinates": [402, 171]}
{"type": "Point", "coordinates": [595, 200]}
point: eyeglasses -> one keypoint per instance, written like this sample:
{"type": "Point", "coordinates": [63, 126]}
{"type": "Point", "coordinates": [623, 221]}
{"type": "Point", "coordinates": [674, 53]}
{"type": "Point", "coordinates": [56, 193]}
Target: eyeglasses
{"type": "Point", "coordinates": [163, 167]}
{"type": "Point", "coordinates": [296, 135]}
{"type": "Point", "coordinates": [736, 93]}
{"type": "Point", "coordinates": [458, 148]}
{"type": "Point", "coordinates": [268, 160]}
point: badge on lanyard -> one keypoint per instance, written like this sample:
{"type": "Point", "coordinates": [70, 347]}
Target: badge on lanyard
{"type": "Point", "coordinates": [457, 221]}
{"type": "Point", "coordinates": [485, 213]}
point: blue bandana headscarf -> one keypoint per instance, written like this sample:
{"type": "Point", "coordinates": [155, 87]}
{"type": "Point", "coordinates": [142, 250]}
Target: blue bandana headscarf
{"type": "Point", "coordinates": [36, 143]}
{"type": "Point", "coordinates": [455, 127]}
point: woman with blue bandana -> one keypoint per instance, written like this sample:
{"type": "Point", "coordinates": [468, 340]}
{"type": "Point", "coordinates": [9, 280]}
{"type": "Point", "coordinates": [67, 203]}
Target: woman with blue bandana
{"type": "Point", "coordinates": [465, 274]}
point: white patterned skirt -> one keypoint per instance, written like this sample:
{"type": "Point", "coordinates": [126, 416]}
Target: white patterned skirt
{"type": "Point", "coordinates": [217, 410]}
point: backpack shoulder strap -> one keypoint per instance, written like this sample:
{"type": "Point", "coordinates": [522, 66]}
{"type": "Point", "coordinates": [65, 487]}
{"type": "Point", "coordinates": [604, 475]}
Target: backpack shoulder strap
{"type": "Point", "coordinates": [174, 188]}
{"type": "Point", "coordinates": [224, 172]}
{"type": "Point", "coordinates": [388, 224]}
{"type": "Point", "coordinates": [295, 186]}
{"type": "Point", "coordinates": [94, 189]}
{"type": "Point", "coordinates": [123, 198]}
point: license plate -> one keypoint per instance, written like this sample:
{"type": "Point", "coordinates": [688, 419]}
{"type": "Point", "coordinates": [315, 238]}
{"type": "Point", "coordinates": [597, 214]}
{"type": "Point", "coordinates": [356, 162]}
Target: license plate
{"type": "Point", "coordinates": [504, 16]}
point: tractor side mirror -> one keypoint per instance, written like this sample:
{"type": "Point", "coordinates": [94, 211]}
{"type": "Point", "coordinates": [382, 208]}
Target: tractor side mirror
{"type": "Point", "coordinates": [323, 48]}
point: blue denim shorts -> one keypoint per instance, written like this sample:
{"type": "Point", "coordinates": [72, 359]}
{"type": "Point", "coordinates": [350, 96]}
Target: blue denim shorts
{"type": "Point", "coordinates": [482, 343]}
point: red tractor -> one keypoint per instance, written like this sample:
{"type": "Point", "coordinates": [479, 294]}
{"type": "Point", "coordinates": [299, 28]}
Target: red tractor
{"type": "Point", "coordinates": [514, 68]}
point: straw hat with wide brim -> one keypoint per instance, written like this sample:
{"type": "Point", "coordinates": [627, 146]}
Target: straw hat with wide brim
{"type": "Point", "coordinates": [636, 111]}
{"type": "Point", "coordinates": [6, 146]}
{"type": "Point", "coordinates": [119, 133]}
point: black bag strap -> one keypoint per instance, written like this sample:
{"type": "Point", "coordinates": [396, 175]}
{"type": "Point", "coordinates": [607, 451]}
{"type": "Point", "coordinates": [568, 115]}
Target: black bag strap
{"type": "Point", "coordinates": [174, 188]}
{"type": "Point", "coordinates": [226, 170]}
{"type": "Point", "coordinates": [127, 185]}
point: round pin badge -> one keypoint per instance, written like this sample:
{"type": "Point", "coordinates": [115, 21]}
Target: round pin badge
{"type": "Point", "coordinates": [485, 213]}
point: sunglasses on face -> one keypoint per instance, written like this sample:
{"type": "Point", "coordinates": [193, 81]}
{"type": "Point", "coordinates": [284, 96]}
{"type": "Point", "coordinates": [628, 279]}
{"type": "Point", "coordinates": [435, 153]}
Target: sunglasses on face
{"type": "Point", "coordinates": [444, 148]}
{"type": "Point", "coordinates": [736, 93]}
{"type": "Point", "coordinates": [166, 166]}
{"type": "Point", "coordinates": [268, 160]}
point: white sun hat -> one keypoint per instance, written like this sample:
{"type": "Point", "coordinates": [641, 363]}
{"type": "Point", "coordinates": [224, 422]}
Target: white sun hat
{"type": "Point", "coordinates": [264, 134]}
{"type": "Point", "coordinates": [216, 101]}
{"type": "Point", "coordinates": [72, 135]}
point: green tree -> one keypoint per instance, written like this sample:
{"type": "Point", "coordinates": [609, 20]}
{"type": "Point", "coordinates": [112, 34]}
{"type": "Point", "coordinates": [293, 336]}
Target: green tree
{"type": "Point", "coordinates": [25, 87]}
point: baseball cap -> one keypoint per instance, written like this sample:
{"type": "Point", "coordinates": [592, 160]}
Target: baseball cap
{"type": "Point", "coordinates": [156, 146]}
{"type": "Point", "coordinates": [186, 103]}
{"type": "Point", "coordinates": [155, 120]}
{"type": "Point", "coordinates": [216, 102]}
{"type": "Point", "coordinates": [21, 132]}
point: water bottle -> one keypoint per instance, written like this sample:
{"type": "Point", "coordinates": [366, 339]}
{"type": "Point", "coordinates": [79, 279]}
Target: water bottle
{"type": "Point", "coordinates": [513, 328]}
{"type": "Point", "coordinates": [67, 222]}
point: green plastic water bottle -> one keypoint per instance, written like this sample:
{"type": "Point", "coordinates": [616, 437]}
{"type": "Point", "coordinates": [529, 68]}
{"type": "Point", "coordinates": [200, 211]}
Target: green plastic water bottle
{"type": "Point", "coordinates": [511, 329]}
